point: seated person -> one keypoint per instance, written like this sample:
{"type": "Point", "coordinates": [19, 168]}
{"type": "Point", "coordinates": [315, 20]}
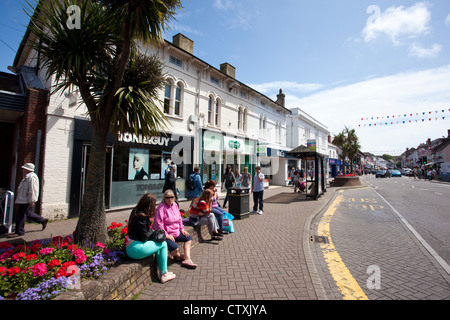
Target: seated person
{"type": "Point", "coordinates": [201, 211]}
{"type": "Point", "coordinates": [215, 207]}
{"type": "Point", "coordinates": [168, 218]}
{"type": "Point", "coordinates": [138, 245]}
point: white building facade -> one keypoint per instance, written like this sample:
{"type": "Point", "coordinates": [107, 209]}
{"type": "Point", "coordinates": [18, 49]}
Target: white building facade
{"type": "Point", "coordinates": [215, 121]}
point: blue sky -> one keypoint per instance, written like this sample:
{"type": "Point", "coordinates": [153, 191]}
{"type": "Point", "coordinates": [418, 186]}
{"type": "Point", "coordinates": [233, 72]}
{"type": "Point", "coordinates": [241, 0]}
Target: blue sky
{"type": "Point", "coordinates": [339, 60]}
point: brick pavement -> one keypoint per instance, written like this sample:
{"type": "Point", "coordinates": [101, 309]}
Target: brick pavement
{"type": "Point", "coordinates": [263, 260]}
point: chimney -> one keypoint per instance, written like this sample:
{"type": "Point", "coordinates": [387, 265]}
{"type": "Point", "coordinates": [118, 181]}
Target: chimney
{"type": "Point", "coordinates": [228, 69]}
{"type": "Point", "coordinates": [183, 42]}
{"type": "Point", "coordinates": [280, 98]}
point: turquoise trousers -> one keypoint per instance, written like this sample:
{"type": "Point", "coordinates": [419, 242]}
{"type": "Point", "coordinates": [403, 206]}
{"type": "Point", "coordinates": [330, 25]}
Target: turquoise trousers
{"type": "Point", "coordinates": [140, 250]}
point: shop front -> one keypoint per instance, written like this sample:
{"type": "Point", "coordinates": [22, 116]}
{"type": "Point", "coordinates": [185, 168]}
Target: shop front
{"type": "Point", "coordinates": [334, 168]}
{"type": "Point", "coordinates": [135, 165]}
{"type": "Point", "coordinates": [220, 150]}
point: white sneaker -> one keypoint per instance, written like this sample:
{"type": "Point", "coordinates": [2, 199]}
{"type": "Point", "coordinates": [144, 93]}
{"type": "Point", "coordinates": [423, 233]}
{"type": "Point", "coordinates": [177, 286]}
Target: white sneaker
{"type": "Point", "coordinates": [167, 277]}
{"type": "Point", "coordinates": [260, 212]}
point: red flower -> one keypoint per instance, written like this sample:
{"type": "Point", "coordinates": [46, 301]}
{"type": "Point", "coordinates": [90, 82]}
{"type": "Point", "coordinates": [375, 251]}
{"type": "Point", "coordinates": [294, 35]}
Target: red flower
{"type": "Point", "coordinates": [12, 271]}
{"type": "Point", "coordinates": [5, 245]}
{"type": "Point", "coordinates": [31, 257]}
{"type": "Point", "coordinates": [2, 271]}
{"type": "Point", "coordinates": [124, 230]}
{"type": "Point", "coordinates": [61, 273]}
{"type": "Point", "coordinates": [18, 256]}
{"type": "Point", "coordinates": [36, 247]}
{"type": "Point", "coordinates": [54, 263]}
{"type": "Point", "coordinates": [72, 247]}
{"type": "Point", "coordinates": [68, 264]}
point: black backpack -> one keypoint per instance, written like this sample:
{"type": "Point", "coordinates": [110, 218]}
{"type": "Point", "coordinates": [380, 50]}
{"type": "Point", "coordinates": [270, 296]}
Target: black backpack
{"type": "Point", "coordinates": [190, 183]}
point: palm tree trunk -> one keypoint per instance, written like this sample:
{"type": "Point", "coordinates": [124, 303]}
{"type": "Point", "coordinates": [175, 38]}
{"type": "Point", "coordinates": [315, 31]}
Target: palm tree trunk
{"type": "Point", "coordinates": [91, 227]}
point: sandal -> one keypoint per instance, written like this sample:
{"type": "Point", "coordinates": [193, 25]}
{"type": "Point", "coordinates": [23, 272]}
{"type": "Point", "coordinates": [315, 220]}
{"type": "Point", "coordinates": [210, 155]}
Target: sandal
{"type": "Point", "coordinates": [167, 277]}
{"type": "Point", "coordinates": [189, 264]}
{"type": "Point", "coordinates": [180, 258]}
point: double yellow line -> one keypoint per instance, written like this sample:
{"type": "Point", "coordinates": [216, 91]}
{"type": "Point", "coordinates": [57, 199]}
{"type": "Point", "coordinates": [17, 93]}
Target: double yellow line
{"type": "Point", "coordinates": [348, 286]}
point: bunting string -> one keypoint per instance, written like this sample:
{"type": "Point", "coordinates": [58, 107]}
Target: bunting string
{"type": "Point", "coordinates": [405, 118]}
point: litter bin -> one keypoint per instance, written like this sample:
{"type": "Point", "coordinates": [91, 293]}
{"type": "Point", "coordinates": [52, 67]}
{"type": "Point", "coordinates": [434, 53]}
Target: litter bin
{"type": "Point", "coordinates": [239, 198]}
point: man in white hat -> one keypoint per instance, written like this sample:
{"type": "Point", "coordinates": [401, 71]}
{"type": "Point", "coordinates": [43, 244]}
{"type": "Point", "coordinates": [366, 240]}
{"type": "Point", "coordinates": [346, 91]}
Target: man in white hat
{"type": "Point", "coordinates": [26, 196]}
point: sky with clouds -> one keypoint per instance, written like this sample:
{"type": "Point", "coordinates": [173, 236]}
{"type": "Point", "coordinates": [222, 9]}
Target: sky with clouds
{"type": "Point", "coordinates": [342, 61]}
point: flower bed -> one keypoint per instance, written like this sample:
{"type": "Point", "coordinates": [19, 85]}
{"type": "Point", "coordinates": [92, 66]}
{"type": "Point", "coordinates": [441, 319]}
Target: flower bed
{"type": "Point", "coordinates": [44, 268]}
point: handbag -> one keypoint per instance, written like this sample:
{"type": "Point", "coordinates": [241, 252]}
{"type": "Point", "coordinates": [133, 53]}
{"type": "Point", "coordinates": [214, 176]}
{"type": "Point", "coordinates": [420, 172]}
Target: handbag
{"type": "Point", "coordinates": [158, 236]}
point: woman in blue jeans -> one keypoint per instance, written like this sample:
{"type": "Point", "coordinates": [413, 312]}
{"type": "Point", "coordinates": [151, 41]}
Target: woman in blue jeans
{"type": "Point", "coordinates": [139, 245]}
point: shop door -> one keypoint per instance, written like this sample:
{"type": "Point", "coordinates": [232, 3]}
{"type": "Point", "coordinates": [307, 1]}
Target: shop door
{"type": "Point", "coordinates": [7, 134]}
{"type": "Point", "coordinates": [108, 167]}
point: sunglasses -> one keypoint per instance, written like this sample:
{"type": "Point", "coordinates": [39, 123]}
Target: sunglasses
{"type": "Point", "coordinates": [169, 197]}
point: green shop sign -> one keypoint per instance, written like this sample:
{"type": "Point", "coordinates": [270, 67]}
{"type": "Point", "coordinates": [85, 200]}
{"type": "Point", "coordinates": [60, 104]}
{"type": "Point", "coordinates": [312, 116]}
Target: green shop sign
{"type": "Point", "coordinates": [234, 144]}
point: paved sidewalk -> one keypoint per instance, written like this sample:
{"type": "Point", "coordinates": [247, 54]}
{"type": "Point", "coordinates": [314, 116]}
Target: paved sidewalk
{"type": "Point", "coordinates": [264, 259]}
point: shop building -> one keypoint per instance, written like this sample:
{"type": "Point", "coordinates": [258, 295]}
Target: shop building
{"type": "Point", "coordinates": [215, 120]}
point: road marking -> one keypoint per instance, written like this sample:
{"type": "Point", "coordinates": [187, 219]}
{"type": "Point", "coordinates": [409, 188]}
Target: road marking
{"type": "Point", "coordinates": [438, 258]}
{"type": "Point", "coordinates": [439, 194]}
{"type": "Point", "coordinates": [348, 286]}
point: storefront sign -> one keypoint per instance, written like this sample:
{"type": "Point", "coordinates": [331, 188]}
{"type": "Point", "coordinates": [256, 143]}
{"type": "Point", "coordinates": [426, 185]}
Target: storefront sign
{"type": "Point", "coordinates": [261, 151]}
{"type": "Point", "coordinates": [311, 144]}
{"type": "Point", "coordinates": [133, 138]}
{"type": "Point", "coordinates": [233, 144]}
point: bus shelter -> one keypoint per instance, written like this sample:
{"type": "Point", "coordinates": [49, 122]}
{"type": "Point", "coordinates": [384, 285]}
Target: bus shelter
{"type": "Point", "coordinates": [314, 168]}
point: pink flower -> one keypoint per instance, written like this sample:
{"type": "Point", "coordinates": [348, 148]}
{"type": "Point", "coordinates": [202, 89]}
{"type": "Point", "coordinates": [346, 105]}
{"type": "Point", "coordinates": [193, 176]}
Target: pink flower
{"type": "Point", "coordinates": [39, 269]}
{"type": "Point", "coordinates": [80, 257]}
{"type": "Point", "coordinates": [100, 245]}
{"type": "Point", "coordinates": [46, 251]}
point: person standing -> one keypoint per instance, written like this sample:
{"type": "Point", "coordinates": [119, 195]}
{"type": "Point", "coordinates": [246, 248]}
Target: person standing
{"type": "Point", "coordinates": [228, 180]}
{"type": "Point", "coordinates": [258, 191]}
{"type": "Point", "coordinates": [196, 181]}
{"type": "Point", "coordinates": [26, 197]}
{"type": "Point", "coordinates": [245, 178]}
{"type": "Point", "coordinates": [171, 182]}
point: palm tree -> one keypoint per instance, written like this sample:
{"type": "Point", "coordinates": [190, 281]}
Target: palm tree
{"type": "Point", "coordinates": [101, 60]}
{"type": "Point", "coordinates": [348, 142]}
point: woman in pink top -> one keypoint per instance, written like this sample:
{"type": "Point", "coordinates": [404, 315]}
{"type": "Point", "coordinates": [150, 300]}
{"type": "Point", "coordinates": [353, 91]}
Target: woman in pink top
{"type": "Point", "coordinates": [168, 218]}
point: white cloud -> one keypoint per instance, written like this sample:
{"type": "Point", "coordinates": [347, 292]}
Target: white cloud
{"type": "Point", "coordinates": [404, 93]}
{"type": "Point", "coordinates": [447, 21]}
{"type": "Point", "coordinates": [418, 51]}
{"type": "Point", "coordinates": [398, 23]}
{"type": "Point", "coordinates": [223, 4]}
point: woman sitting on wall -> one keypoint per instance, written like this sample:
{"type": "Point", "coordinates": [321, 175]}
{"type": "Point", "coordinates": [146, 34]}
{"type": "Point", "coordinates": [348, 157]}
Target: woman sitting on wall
{"type": "Point", "coordinates": [215, 207]}
{"type": "Point", "coordinates": [201, 211]}
{"type": "Point", "coordinates": [168, 218]}
{"type": "Point", "coordinates": [139, 245]}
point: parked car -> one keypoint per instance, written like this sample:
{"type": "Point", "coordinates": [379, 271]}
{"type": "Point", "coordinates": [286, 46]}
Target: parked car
{"type": "Point", "coordinates": [382, 174]}
{"type": "Point", "coordinates": [396, 173]}
{"type": "Point", "coordinates": [405, 171]}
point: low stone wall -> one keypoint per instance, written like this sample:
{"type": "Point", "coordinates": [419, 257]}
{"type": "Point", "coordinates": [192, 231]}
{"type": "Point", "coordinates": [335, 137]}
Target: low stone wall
{"type": "Point", "coordinates": [346, 182]}
{"type": "Point", "coordinates": [127, 279]}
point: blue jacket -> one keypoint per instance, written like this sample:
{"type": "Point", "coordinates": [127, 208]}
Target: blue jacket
{"type": "Point", "coordinates": [198, 187]}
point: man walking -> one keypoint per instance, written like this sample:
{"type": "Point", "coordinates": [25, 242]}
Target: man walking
{"type": "Point", "coordinates": [26, 196]}
{"type": "Point", "coordinates": [258, 191]}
